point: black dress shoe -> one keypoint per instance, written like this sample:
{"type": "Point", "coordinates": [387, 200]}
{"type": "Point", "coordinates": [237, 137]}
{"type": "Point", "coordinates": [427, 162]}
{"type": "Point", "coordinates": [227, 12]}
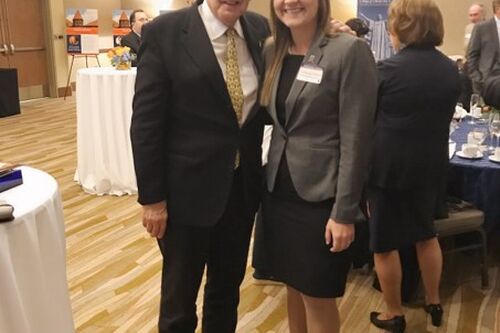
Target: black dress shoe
{"type": "Point", "coordinates": [436, 312]}
{"type": "Point", "coordinates": [396, 324]}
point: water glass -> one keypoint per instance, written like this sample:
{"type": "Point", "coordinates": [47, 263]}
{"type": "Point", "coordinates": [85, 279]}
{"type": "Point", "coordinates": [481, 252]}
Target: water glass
{"type": "Point", "coordinates": [475, 108]}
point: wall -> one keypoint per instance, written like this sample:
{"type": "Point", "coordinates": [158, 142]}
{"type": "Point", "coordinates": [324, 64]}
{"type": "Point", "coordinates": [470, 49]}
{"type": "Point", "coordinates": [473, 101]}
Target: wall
{"type": "Point", "coordinates": [454, 14]}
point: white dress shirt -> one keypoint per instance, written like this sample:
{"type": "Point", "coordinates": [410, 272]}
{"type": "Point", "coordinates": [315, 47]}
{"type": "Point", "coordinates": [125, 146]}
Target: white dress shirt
{"type": "Point", "coordinates": [216, 31]}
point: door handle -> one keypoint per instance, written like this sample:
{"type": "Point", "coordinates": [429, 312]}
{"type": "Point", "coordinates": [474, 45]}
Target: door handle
{"type": "Point", "coordinates": [12, 49]}
{"type": "Point", "coordinates": [4, 49]}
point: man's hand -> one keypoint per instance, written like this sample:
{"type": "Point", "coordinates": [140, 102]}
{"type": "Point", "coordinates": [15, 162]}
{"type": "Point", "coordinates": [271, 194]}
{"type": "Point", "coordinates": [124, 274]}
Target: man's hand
{"type": "Point", "coordinates": [342, 235]}
{"type": "Point", "coordinates": [154, 218]}
{"type": "Point", "coordinates": [337, 26]}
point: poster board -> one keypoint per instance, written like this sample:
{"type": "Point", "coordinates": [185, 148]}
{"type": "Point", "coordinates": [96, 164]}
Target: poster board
{"type": "Point", "coordinates": [82, 31]}
{"type": "Point", "coordinates": [374, 13]}
{"type": "Point", "coordinates": [121, 24]}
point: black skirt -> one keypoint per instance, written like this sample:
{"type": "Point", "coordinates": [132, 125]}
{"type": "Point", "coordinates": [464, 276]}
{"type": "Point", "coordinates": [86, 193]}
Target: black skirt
{"type": "Point", "coordinates": [294, 235]}
{"type": "Point", "coordinates": [401, 217]}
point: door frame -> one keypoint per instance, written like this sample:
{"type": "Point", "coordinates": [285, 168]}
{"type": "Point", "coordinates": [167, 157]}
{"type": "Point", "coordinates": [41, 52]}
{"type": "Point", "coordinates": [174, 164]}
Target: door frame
{"type": "Point", "coordinates": [49, 48]}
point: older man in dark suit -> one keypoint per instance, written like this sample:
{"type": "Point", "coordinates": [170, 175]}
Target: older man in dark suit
{"type": "Point", "coordinates": [133, 39]}
{"type": "Point", "coordinates": [196, 134]}
{"type": "Point", "coordinates": [483, 55]}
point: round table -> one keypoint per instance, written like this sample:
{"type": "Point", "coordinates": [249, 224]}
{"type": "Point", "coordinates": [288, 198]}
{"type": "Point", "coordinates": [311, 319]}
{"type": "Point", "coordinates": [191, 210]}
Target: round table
{"type": "Point", "coordinates": [478, 180]}
{"type": "Point", "coordinates": [104, 109]}
{"type": "Point", "coordinates": [34, 294]}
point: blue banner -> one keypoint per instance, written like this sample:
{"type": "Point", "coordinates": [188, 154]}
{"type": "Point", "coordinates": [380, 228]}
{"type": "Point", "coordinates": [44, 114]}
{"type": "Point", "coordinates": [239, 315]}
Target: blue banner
{"type": "Point", "coordinates": [374, 13]}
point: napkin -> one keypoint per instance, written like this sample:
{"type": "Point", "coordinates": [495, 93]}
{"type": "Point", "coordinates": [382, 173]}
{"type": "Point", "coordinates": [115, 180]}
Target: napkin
{"type": "Point", "coordinates": [460, 112]}
{"type": "Point", "coordinates": [6, 212]}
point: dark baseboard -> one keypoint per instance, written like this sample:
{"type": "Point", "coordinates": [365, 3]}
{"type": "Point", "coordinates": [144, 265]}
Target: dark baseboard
{"type": "Point", "coordinates": [61, 90]}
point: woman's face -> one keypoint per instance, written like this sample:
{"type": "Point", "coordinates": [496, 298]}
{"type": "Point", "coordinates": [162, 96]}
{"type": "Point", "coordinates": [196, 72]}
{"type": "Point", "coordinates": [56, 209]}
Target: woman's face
{"type": "Point", "coordinates": [297, 14]}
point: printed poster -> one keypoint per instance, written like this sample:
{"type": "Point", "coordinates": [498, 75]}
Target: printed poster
{"type": "Point", "coordinates": [121, 24]}
{"type": "Point", "coordinates": [82, 31]}
{"type": "Point", "coordinates": [374, 13]}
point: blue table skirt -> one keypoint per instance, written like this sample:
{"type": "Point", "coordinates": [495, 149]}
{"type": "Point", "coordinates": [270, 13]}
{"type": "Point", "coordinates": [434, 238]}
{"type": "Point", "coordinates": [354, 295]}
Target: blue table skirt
{"type": "Point", "coordinates": [476, 181]}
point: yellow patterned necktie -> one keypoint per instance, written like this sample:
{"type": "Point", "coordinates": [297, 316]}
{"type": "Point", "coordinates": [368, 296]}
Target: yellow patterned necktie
{"type": "Point", "coordinates": [233, 81]}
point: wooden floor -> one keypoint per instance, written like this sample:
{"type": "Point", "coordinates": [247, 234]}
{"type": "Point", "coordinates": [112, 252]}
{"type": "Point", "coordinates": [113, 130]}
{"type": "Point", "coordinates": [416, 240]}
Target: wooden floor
{"type": "Point", "coordinates": [114, 268]}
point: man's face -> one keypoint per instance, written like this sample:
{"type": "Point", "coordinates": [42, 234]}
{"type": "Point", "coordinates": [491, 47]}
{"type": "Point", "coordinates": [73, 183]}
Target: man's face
{"type": "Point", "coordinates": [140, 19]}
{"type": "Point", "coordinates": [475, 14]}
{"type": "Point", "coordinates": [228, 11]}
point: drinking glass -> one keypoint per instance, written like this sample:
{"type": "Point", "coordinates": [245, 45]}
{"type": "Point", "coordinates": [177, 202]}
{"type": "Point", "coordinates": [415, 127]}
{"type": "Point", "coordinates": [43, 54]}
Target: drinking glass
{"type": "Point", "coordinates": [479, 134]}
{"type": "Point", "coordinates": [475, 100]}
{"type": "Point", "coordinates": [495, 126]}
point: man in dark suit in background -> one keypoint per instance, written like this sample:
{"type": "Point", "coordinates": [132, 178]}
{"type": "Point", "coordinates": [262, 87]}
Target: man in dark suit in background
{"type": "Point", "coordinates": [491, 90]}
{"type": "Point", "coordinates": [483, 55]}
{"type": "Point", "coordinates": [133, 39]}
{"type": "Point", "coordinates": [196, 134]}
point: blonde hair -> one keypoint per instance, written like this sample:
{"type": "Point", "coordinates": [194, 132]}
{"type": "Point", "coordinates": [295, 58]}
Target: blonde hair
{"type": "Point", "coordinates": [282, 41]}
{"type": "Point", "coordinates": [416, 22]}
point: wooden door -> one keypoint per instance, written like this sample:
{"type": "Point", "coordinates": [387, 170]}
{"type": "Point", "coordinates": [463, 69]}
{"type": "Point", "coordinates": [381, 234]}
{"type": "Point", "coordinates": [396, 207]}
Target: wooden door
{"type": "Point", "coordinates": [24, 28]}
{"type": "Point", "coordinates": [4, 48]}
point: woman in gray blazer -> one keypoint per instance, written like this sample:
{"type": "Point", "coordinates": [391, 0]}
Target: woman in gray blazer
{"type": "Point", "coordinates": [320, 91]}
{"type": "Point", "coordinates": [418, 91]}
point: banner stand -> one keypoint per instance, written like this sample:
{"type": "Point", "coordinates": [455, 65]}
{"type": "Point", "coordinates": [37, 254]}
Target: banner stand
{"type": "Point", "coordinates": [73, 56]}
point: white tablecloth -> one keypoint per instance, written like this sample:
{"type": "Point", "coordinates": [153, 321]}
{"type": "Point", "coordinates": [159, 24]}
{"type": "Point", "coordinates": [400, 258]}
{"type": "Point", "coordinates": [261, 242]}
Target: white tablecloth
{"type": "Point", "coordinates": [34, 294]}
{"type": "Point", "coordinates": [104, 109]}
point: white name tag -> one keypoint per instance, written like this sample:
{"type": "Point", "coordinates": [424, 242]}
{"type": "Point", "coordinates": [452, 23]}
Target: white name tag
{"type": "Point", "coordinates": [310, 73]}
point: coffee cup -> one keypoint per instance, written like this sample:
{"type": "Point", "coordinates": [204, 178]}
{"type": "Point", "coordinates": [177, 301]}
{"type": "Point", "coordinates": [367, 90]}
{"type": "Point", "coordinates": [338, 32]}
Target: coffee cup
{"type": "Point", "coordinates": [470, 150]}
{"type": "Point", "coordinates": [497, 153]}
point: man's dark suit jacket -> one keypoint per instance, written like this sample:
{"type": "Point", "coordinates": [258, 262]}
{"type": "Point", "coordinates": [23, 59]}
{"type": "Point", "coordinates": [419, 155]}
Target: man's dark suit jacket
{"type": "Point", "coordinates": [418, 91]}
{"type": "Point", "coordinates": [491, 90]}
{"type": "Point", "coordinates": [133, 41]}
{"type": "Point", "coordinates": [483, 53]}
{"type": "Point", "coordinates": [184, 131]}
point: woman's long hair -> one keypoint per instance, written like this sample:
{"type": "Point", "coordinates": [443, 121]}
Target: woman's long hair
{"type": "Point", "coordinates": [282, 42]}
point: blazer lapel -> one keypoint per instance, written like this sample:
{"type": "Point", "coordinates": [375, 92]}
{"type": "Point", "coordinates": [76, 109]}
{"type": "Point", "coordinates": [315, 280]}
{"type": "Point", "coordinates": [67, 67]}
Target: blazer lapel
{"type": "Point", "coordinates": [199, 47]}
{"type": "Point", "coordinates": [312, 57]}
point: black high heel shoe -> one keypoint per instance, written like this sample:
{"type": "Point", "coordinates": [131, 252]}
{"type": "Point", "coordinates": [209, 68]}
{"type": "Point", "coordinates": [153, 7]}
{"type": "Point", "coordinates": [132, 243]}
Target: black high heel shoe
{"type": "Point", "coordinates": [397, 324]}
{"type": "Point", "coordinates": [436, 312]}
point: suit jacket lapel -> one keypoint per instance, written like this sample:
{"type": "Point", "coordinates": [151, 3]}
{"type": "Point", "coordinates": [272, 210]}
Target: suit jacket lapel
{"type": "Point", "coordinates": [312, 57]}
{"type": "Point", "coordinates": [200, 49]}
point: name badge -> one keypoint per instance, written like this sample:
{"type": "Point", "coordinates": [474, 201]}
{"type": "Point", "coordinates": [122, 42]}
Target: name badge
{"type": "Point", "coordinates": [311, 73]}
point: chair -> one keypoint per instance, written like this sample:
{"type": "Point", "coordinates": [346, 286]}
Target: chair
{"type": "Point", "coordinates": [465, 220]}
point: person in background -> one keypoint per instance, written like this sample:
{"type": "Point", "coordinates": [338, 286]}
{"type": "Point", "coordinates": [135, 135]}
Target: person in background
{"type": "Point", "coordinates": [133, 39]}
{"type": "Point", "coordinates": [358, 26]}
{"type": "Point", "coordinates": [476, 15]}
{"type": "Point", "coordinates": [491, 90]}
{"type": "Point", "coordinates": [483, 54]}
{"type": "Point", "coordinates": [317, 159]}
{"type": "Point", "coordinates": [418, 91]}
{"type": "Point", "coordinates": [196, 137]}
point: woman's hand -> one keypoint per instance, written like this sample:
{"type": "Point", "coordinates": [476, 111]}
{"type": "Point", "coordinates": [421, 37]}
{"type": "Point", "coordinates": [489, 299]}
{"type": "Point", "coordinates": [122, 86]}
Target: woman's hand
{"type": "Point", "coordinates": [338, 235]}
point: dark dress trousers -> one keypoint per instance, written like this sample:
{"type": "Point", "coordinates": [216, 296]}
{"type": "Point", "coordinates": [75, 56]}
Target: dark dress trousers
{"type": "Point", "coordinates": [185, 136]}
{"type": "Point", "coordinates": [133, 41]}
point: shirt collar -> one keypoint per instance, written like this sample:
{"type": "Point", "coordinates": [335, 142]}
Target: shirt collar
{"type": "Point", "coordinates": [497, 20]}
{"type": "Point", "coordinates": [215, 28]}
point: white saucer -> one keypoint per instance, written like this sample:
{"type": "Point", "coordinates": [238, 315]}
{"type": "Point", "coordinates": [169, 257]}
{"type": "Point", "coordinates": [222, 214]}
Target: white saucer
{"type": "Point", "coordinates": [494, 159]}
{"type": "Point", "coordinates": [461, 154]}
